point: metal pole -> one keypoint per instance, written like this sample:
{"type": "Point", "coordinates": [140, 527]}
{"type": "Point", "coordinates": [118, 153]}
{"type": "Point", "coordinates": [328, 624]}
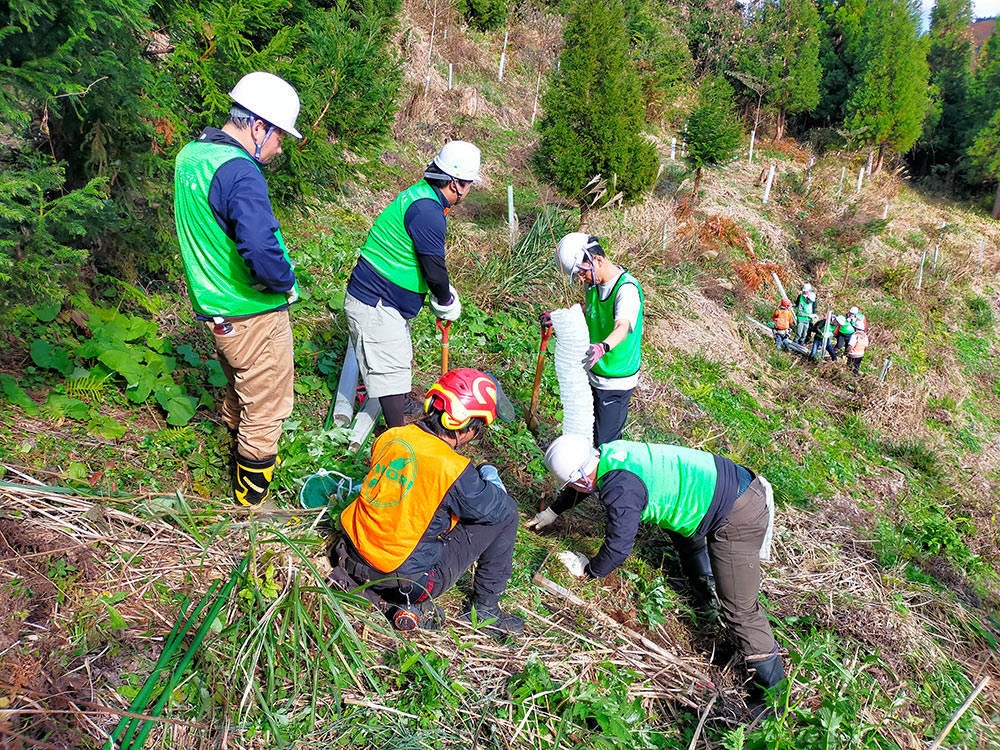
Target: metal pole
{"type": "Point", "coordinates": [503, 57]}
{"type": "Point", "coordinates": [885, 369]}
{"type": "Point", "coordinates": [767, 188]}
{"type": "Point", "coordinates": [826, 335]}
{"type": "Point", "coordinates": [753, 136]}
{"type": "Point", "coordinates": [840, 187]}
{"type": "Point", "coordinates": [920, 276]}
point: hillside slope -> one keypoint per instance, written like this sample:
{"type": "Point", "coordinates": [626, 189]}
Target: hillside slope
{"type": "Point", "coordinates": [884, 584]}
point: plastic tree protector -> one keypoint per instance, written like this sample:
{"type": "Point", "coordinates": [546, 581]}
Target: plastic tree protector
{"type": "Point", "coordinates": [347, 387]}
{"type": "Point", "coordinates": [572, 341]}
{"type": "Point", "coordinates": [364, 423]}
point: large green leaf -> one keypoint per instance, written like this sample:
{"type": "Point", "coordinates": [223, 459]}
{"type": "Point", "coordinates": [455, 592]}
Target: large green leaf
{"type": "Point", "coordinates": [216, 376]}
{"type": "Point", "coordinates": [177, 404]}
{"type": "Point", "coordinates": [107, 427]}
{"type": "Point", "coordinates": [46, 312]}
{"type": "Point", "coordinates": [16, 395]}
{"type": "Point", "coordinates": [50, 357]}
{"type": "Point", "coordinates": [59, 405]}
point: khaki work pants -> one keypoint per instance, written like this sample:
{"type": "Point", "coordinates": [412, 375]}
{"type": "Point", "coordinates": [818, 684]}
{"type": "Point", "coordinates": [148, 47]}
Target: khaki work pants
{"type": "Point", "coordinates": [256, 358]}
{"type": "Point", "coordinates": [734, 549]}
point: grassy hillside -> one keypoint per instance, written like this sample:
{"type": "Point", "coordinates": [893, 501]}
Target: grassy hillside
{"type": "Point", "coordinates": [884, 584]}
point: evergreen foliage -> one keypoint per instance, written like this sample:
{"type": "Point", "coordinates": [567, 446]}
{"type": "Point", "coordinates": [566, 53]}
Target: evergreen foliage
{"type": "Point", "coordinates": [780, 58]}
{"type": "Point", "coordinates": [594, 109]}
{"type": "Point", "coordinates": [660, 53]}
{"type": "Point", "coordinates": [484, 14]}
{"type": "Point", "coordinates": [713, 130]}
{"type": "Point", "coordinates": [100, 95]}
{"type": "Point", "coordinates": [889, 103]}
{"type": "Point", "coordinates": [949, 58]}
{"type": "Point", "coordinates": [984, 152]}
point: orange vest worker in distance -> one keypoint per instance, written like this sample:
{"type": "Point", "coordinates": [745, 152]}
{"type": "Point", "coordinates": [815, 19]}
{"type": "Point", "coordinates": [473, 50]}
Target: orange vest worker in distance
{"type": "Point", "coordinates": [426, 514]}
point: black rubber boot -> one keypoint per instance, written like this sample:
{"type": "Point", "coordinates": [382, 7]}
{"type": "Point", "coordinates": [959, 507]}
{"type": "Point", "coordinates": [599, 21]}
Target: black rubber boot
{"type": "Point", "coordinates": [767, 675]}
{"type": "Point", "coordinates": [492, 618]}
{"type": "Point", "coordinates": [252, 483]}
{"type": "Point", "coordinates": [698, 569]}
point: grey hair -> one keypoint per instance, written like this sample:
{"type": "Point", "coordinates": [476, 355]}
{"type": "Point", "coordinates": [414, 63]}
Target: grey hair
{"type": "Point", "coordinates": [240, 117]}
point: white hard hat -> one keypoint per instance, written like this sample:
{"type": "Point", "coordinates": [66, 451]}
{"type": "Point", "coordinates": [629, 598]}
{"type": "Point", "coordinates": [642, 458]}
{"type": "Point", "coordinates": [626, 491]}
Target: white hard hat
{"type": "Point", "coordinates": [811, 296]}
{"type": "Point", "coordinates": [458, 159]}
{"type": "Point", "coordinates": [573, 250]}
{"type": "Point", "coordinates": [807, 287]}
{"type": "Point", "coordinates": [854, 311]}
{"type": "Point", "coordinates": [270, 98]}
{"type": "Point", "coordinates": [571, 457]}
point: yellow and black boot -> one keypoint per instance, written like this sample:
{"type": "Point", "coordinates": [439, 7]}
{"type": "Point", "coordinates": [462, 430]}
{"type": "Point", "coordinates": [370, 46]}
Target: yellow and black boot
{"type": "Point", "coordinates": [252, 483]}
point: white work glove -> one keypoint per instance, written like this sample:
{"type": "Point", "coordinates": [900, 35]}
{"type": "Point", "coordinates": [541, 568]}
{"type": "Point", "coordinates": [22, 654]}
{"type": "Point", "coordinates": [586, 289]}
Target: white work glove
{"type": "Point", "coordinates": [541, 520]}
{"type": "Point", "coordinates": [449, 311]}
{"type": "Point", "coordinates": [574, 562]}
{"type": "Point", "coordinates": [292, 295]}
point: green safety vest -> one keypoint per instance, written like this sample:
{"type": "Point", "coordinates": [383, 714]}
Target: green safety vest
{"type": "Point", "coordinates": [219, 281]}
{"type": "Point", "coordinates": [624, 359]}
{"type": "Point", "coordinates": [804, 308]}
{"type": "Point", "coordinates": [845, 329]}
{"type": "Point", "coordinates": [389, 248]}
{"type": "Point", "coordinates": [680, 481]}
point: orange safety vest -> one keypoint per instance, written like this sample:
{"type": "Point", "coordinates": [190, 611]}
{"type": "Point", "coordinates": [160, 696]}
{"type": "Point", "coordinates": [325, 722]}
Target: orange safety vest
{"type": "Point", "coordinates": [857, 344]}
{"type": "Point", "coordinates": [782, 319]}
{"type": "Point", "coordinates": [411, 471]}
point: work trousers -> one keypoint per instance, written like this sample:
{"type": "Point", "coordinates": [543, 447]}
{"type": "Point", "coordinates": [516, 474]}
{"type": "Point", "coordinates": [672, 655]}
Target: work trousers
{"type": "Point", "coordinates": [818, 344]}
{"type": "Point", "coordinates": [780, 337]}
{"type": "Point", "coordinates": [734, 552]}
{"type": "Point", "coordinates": [381, 338]}
{"type": "Point", "coordinates": [490, 546]}
{"type": "Point", "coordinates": [842, 343]}
{"type": "Point", "coordinates": [802, 331]}
{"type": "Point", "coordinates": [610, 413]}
{"type": "Point", "coordinates": [256, 358]}
{"type": "Point", "coordinates": [855, 364]}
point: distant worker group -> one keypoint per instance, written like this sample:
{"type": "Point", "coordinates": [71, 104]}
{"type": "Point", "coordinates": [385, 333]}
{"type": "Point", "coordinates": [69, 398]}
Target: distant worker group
{"type": "Point", "coordinates": [837, 335]}
{"type": "Point", "coordinates": [425, 514]}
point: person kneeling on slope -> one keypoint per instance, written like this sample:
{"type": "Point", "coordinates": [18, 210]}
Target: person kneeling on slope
{"type": "Point", "coordinates": [712, 508]}
{"type": "Point", "coordinates": [426, 514]}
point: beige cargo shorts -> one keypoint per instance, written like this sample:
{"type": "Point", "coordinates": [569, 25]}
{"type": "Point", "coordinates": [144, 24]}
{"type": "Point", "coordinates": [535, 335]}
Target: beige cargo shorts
{"type": "Point", "coordinates": [381, 338]}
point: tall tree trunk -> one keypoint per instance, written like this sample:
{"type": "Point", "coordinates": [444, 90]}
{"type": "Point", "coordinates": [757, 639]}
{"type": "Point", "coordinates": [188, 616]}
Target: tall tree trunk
{"type": "Point", "coordinates": [697, 186]}
{"type": "Point", "coordinates": [996, 203]}
{"type": "Point", "coordinates": [779, 125]}
{"type": "Point", "coordinates": [879, 158]}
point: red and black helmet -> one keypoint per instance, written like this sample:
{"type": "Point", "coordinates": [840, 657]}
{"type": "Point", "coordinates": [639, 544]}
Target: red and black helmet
{"type": "Point", "coordinates": [465, 393]}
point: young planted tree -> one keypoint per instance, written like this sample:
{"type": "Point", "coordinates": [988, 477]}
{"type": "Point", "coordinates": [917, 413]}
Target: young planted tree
{"type": "Point", "coordinates": [594, 110]}
{"type": "Point", "coordinates": [890, 102]}
{"type": "Point", "coordinates": [713, 130]}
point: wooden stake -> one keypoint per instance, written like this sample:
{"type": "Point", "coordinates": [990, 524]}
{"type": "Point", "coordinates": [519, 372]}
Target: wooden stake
{"type": "Point", "coordinates": [958, 714]}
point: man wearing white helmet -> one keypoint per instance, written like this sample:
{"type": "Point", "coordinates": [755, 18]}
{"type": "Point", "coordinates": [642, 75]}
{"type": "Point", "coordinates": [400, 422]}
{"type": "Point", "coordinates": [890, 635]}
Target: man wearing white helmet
{"type": "Point", "coordinates": [238, 273]}
{"type": "Point", "coordinates": [614, 313]}
{"type": "Point", "coordinates": [805, 306]}
{"type": "Point", "coordinates": [708, 504]}
{"type": "Point", "coordinates": [402, 259]}
{"type": "Point", "coordinates": [843, 331]}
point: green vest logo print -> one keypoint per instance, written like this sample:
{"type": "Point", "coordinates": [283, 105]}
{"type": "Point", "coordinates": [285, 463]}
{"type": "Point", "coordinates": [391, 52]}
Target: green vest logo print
{"type": "Point", "coordinates": [398, 473]}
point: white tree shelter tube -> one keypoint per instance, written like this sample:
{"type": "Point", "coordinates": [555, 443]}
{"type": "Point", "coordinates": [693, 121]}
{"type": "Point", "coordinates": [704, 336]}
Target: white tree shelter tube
{"type": "Point", "coordinates": [572, 341]}
{"type": "Point", "coordinates": [364, 423]}
{"type": "Point", "coordinates": [347, 388]}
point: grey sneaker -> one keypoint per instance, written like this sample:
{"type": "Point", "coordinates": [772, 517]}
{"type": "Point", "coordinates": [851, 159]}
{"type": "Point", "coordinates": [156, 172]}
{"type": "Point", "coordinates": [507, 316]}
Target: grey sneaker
{"type": "Point", "coordinates": [492, 619]}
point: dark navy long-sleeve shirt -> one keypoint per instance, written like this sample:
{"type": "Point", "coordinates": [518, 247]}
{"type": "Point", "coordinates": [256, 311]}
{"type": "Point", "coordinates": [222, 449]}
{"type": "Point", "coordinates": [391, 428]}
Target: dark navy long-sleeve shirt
{"type": "Point", "coordinates": [425, 222]}
{"type": "Point", "coordinates": [241, 205]}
